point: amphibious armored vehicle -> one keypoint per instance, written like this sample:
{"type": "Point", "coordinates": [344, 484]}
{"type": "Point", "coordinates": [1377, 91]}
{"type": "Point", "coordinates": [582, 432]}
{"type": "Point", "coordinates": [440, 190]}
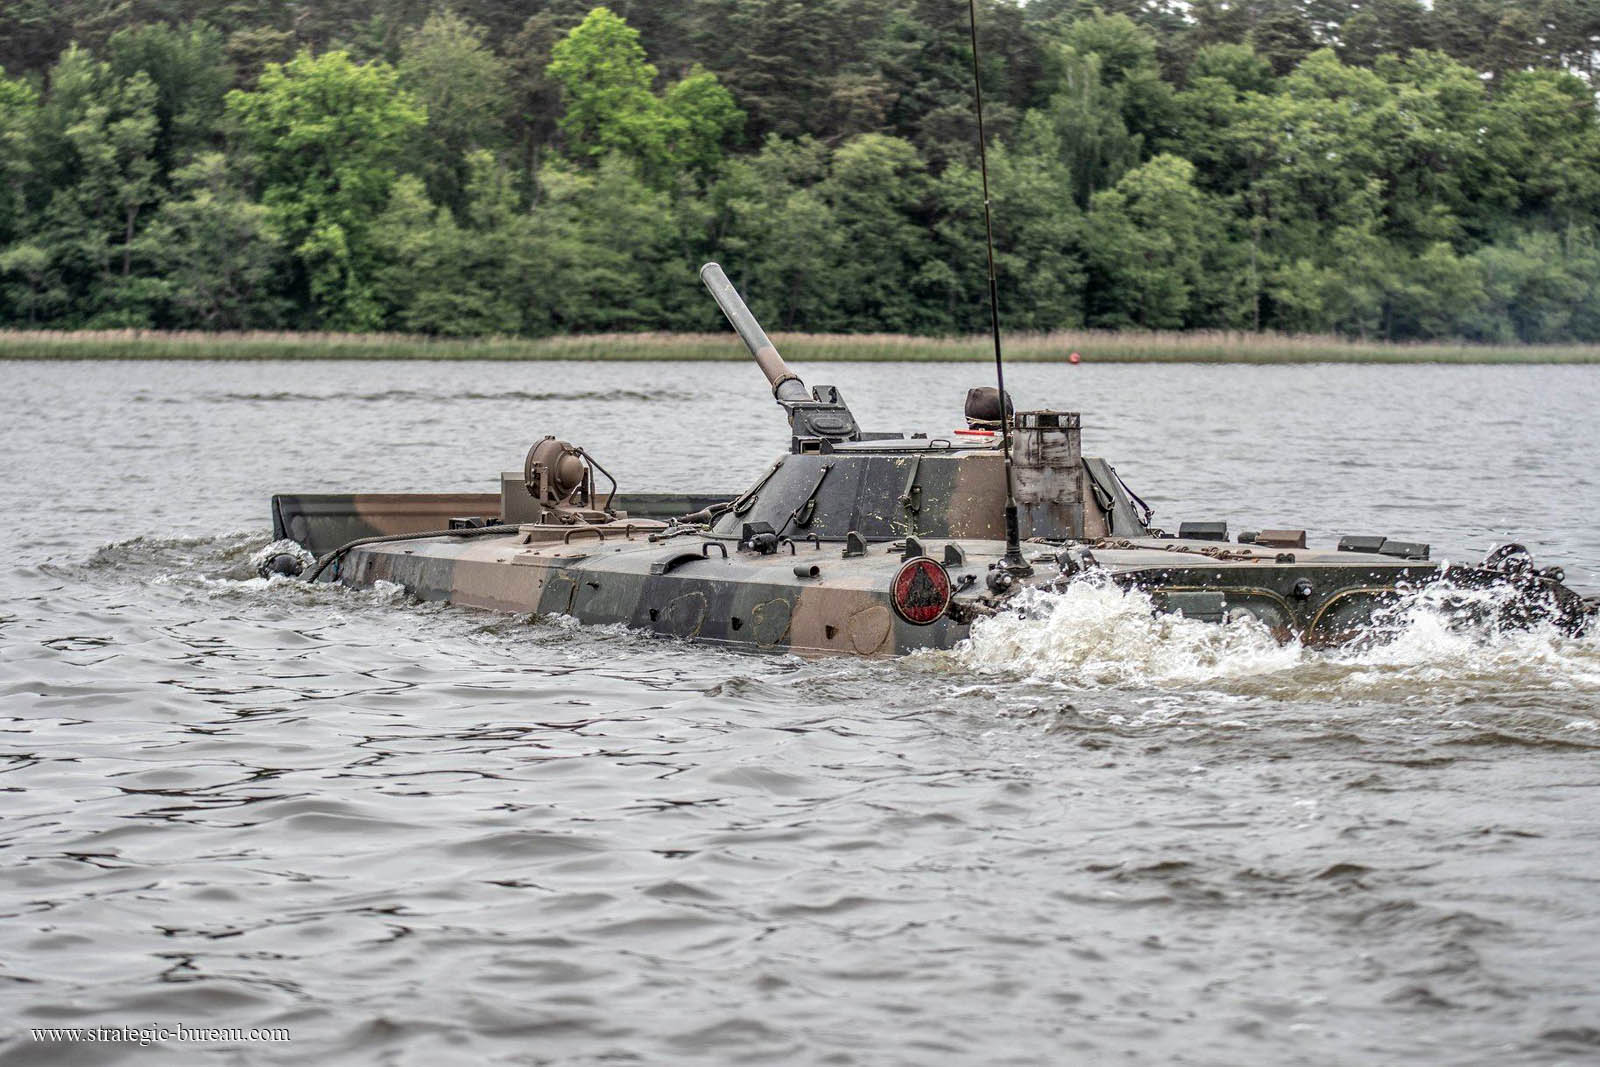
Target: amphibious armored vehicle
{"type": "Point", "coordinates": [869, 543]}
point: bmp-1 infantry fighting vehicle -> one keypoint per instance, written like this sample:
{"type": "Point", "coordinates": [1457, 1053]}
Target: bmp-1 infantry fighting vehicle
{"type": "Point", "coordinates": [868, 543]}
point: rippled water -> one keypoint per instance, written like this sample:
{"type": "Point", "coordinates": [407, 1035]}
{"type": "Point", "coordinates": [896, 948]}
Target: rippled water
{"type": "Point", "coordinates": [417, 835]}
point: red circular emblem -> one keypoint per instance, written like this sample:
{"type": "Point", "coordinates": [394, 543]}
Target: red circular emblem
{"type": "Point", "coordinates": [921, 591]}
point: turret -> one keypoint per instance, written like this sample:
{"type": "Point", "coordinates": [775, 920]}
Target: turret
{"type": "Point", "coordinates": [840, 484]}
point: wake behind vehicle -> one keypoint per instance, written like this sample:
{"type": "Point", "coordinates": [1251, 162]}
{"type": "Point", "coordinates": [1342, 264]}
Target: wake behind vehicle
{"type": "Point", "coordinates": [872, 543]}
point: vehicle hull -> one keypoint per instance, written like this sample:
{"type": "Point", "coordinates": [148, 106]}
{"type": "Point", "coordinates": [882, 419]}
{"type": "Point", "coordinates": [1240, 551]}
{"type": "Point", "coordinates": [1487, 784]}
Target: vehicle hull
{"type": "Point", "coordinates": [745, 600]}
{"type": "Point", "coordinates": [706, 590]}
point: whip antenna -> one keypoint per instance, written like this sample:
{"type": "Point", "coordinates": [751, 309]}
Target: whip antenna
{"type": "Point", "coordinates": [1011, 564]}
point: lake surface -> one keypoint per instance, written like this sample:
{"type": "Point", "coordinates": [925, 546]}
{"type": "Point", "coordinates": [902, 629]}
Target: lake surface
{"type": "Point", "coordinates": [420, 835]}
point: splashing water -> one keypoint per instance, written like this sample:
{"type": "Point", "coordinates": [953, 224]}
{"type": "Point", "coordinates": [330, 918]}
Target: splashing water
{"type": "Point", "coordinates": [1438, 643]}
{"type": "Point", "coordinates": [1449, 642]}
{"type": "Point", "coordinates": [282, 547]}
{"type": "Point", "coordinates": [1095, 633]}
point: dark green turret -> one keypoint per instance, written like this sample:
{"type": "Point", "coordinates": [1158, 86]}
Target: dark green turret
{"type": "Point", "coordinates": [838, 480]}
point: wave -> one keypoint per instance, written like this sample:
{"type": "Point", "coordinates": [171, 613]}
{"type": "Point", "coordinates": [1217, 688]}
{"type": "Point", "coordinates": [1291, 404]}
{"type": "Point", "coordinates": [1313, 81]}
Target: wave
{"type": "Point", "coordinates": [225, 556]}
{"type": "Point", "coordinates": [1438, 644]}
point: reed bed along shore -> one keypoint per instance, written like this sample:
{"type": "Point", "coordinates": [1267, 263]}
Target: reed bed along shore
{"type": "Point", "coordinates": [1095, 346]}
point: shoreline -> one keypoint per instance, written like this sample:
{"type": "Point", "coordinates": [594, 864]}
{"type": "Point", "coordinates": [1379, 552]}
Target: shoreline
{"type": "Point", "coordinates": [1094, 346]}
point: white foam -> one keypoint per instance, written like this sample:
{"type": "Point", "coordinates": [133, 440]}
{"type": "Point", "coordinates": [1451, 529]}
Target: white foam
{"type": "Point", "coordinates": [1438, 646]}
{"type": "Point", "coordinates": [385, 592]}
{"type": "Point", "coordinates": [1095, 633]}
{"type": "Point", "coordinates": [284, 547]}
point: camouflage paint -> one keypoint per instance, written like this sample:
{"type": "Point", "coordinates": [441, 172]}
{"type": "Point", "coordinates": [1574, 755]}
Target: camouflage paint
{"type": "Point", "coordinates": [746, 599]}
{"type": "Point", "coordinates": [321, 522]}
{"type": "Point", "coordinates": [756, 601]}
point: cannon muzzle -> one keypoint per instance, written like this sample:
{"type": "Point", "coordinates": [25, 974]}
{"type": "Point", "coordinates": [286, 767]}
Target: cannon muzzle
{"type": "Point", "coordinates": [786, 384]}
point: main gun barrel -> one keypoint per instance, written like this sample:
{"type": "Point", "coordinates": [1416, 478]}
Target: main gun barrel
{"type": "Point", "coordinates": [786, 384]}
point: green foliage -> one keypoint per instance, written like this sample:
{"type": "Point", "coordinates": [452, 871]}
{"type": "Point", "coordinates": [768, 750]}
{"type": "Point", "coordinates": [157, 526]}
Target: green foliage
{"type": "Point", "coordinates": [439, 278]}
{"type": "Point", "coordinates": [611, 108]}
{"type": "Point", "coordinates": [97, 141]}
{"type": "Point", "coordinates": [805, 67]}
{"type": "Point", "coordinates": [19, 114]}
{"type": "Point", "coordinates": [216, 252]}
{"type": "Point", "coordinates": [776, 232]}
{"type": "Point", "coordinates": [33, 291]}
{"type": "Point", "coordinates": [465, 89]}
{"type": "Point", "coordinates": [606, 89]}
{"type": "Point", "coordinates": [326, 134]}
{"type": "Point", "coordinates": [1151, 239]}
{"type": "Point", "coordinates": [1039, 239]}
{"type": "Point", "coordinates": [189, 68]}
{"type": "Point", "coordinates": [603, 241]}
{"type": "Point", "coordinates": [1386, 169]}
{"type": "Point", "coordinates": [876, 191]}
{"type": "Point", "coordinates": [1237, 66]}
{"type": "Point", "coordinates": [1094, 139]}
{"type": "Point", "coordinates": [700, 116]}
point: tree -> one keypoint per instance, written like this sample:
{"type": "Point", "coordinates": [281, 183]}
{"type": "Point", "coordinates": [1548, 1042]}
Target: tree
{"type": "Point", "coordinates": [1282, 35]}
{"type": "Point", "coordinates": [606, 91]}
{"type": "Point", "coordinates": [1235, 65]}
{"type": "Point", "coordinates": [326, 133]}
{"type": "Point", "coordinates": [217, 253]}
{"type": "Point", "coordinates": [464, 87]}
{"type": "Point", "coordinates": [877, 192]}
{"type": "Point", "coordinates": [925, 54]}
{"type": "Point", "coordinates": [1433, 295]}
{"type": "Point", "coordinates": [1088, 130]}
{"type": "Point", "coordinates": [699, 115]}
{"type": "Point", "coordinates": [190, 72]}
{"type": "Point", "coordinates": [610, 106]}
{"type": "Point", "coordinates": [1541, 139]}
{"type": "Point", "coordinates": [32, 288]}
{"type": "Point", "coordinates": [33, 33]}
{"type": "Point", "coordinates": [1530, 290]}
{"type": "Point", "coordinates": [1382, 168]}
{"type": "Point", "coordinates": [602, 239]}
{"type": "Point", "coordinates": [19, 114]}
{"type": "Point", "coordinates": [801, 67]}
{"type": "Point", "coordinates": [1379, 27]}
{"type": "Point", "coordinates": [1148, 242]}
{"type": "Point", "coordinates": [1038, 239]}
{"type": "Point", "coordinates": [456, 279]}
{"type": "Point", "coordinates": [1489, 35]}
{"type": "Point", "coordinates": [96, 145]}
{"type": "Point", "coordinates": [1109, 102]}
{"type": "Point", "coordinates": [536, 96]}
{"type": "Point", "coordinates": [778, 235]}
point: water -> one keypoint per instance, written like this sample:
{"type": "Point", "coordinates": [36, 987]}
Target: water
{"type": "Point", "coordinates": [416, 835]}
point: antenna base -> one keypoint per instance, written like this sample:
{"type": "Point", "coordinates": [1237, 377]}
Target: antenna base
{"type": "Point", "coordinates": [1012, 566]}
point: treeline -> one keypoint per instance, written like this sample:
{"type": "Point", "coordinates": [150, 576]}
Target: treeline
{"type": "Point", "coordinates": [1383, 169]}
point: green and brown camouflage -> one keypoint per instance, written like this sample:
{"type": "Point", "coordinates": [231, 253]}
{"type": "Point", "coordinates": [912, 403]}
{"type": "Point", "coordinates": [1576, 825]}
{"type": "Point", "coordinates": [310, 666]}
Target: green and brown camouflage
{"type": "Point", "coordinates": [868, 544]}
{"type": "Point", "coordinates": [321, 522]}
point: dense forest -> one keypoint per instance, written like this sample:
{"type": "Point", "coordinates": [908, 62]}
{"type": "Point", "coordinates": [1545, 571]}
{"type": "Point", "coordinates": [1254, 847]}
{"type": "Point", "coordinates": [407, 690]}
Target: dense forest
{"type": "Point", "coordinates": [1382, 169]}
